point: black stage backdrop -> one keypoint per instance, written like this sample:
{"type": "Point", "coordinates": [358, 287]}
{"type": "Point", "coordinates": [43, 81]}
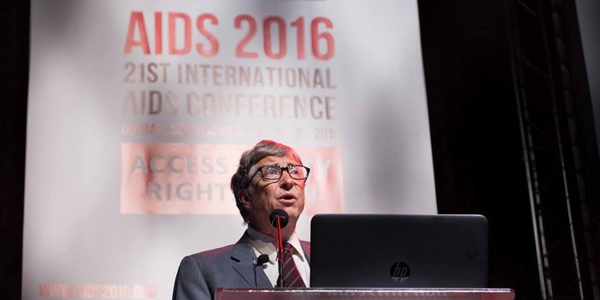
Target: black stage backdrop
{"type": "Point", "coordinates": [14, 70]}
{"type": "Point", "coordinates": [474, 130]}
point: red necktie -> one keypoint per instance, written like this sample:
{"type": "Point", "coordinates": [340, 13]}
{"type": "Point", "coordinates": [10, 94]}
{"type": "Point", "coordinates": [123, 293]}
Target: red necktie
{"type": "Point", "coordinates": [290, 272]}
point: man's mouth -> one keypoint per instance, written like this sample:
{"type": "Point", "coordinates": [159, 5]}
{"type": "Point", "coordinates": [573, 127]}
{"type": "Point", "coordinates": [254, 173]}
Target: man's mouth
{"type": "Point", "coordinates": [287, 197]}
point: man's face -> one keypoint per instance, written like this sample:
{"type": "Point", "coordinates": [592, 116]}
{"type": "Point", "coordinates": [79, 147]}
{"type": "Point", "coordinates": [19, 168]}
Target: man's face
{"type": "Point", "coordinates": [285, 193]}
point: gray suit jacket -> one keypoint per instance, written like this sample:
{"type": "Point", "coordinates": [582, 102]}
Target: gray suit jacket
{"type": "Point", "coordinates": [200, 274]}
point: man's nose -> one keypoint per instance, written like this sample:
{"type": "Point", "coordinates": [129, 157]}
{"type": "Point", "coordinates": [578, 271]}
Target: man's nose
{"type": "Point", "coordinates": [286, 180]}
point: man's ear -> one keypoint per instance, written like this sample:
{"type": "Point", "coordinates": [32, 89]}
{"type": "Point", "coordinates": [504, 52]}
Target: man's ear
{"type": "Point", "coordinates": [245, 200]}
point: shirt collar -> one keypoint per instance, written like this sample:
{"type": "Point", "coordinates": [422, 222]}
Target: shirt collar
{"type": "Point", "coordinates": [265, 244]}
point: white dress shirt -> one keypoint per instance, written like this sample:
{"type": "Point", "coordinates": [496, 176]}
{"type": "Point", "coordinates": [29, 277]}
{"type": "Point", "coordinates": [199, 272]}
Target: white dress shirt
{"type": "Point", "coordinates": [265, 244]}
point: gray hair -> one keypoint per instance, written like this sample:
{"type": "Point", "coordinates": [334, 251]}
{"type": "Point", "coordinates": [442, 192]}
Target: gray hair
{"type": "Point", "coordinates": [240, 181]}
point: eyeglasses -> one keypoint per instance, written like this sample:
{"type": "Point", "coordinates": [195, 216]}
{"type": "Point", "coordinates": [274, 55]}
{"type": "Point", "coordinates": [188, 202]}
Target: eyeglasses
{"type": "Point", "coordinates": [273, 172]}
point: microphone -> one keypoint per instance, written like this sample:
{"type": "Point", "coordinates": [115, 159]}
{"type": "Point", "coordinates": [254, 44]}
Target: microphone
{"type": "Point", "coordinates": [279, 219]}
{"type": "Point", "coordinates": [261, 260]}
{"type": "Point", "coordinates": [258, 262]}
{"type": "Point", "coordinates": [283, 217]}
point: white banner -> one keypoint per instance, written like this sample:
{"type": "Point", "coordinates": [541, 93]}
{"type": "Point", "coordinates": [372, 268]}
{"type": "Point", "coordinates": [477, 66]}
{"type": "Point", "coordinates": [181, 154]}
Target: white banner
{"type": "Point", "coordinates": [140, 110]}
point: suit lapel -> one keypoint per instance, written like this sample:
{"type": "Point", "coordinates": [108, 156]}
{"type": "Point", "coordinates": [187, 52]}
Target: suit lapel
{"type": "Point", "coordinates": [306, 247]}
{"type": "Point", "coordinates": [243, 256]}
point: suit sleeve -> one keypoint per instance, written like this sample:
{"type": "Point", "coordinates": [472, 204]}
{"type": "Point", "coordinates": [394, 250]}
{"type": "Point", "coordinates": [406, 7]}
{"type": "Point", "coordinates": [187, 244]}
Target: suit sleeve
{"type": "Point", "coordinates": [190, 283]}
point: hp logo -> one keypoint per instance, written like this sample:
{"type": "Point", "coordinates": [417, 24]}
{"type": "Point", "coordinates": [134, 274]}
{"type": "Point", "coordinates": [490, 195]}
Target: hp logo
{"type": "Point", "coordinates": [400, 272]}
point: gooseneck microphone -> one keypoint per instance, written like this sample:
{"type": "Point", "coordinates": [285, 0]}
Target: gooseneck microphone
{"type": "Point", "coordinates": [279, 219]}
{"type": "Point", "coordinates": [258, 262]}
{"type": "Point", "coordinates": [283, 216]}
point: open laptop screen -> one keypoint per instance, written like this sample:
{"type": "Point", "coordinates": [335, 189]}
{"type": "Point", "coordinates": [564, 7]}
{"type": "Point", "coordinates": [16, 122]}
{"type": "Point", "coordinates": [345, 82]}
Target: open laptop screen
{"type": "Point", "coordinates": [399, 251]}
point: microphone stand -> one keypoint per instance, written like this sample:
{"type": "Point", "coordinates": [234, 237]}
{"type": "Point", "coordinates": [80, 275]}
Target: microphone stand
{"type": "Point", "coordinates": [280, 281]}
{"type": "Point", "coordinates": [279, 218]}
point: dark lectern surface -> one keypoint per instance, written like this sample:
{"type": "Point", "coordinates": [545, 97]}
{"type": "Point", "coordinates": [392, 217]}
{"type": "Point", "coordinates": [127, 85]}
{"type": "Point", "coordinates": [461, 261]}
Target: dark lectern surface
{"type": "Point", "coordinates": [363, 293]}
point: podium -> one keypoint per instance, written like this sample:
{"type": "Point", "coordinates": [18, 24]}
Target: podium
{"type": "Point", "coordinates": [362, 293]}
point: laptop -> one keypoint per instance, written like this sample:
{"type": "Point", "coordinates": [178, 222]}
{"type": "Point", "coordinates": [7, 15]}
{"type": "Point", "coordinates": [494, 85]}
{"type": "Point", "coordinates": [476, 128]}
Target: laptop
{"type": "Point", "coordinates": [399, 251]}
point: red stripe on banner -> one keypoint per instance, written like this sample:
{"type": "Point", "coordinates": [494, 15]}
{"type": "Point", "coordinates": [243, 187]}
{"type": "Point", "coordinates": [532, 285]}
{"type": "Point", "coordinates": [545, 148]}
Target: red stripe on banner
{"type": "Point", "coordinates": [178, 178]}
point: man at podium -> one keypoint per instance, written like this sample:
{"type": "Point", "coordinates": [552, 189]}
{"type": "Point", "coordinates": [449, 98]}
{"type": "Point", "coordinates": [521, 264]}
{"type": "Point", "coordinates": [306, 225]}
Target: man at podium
{"type": "Point", "coordinates": [269, 177]}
